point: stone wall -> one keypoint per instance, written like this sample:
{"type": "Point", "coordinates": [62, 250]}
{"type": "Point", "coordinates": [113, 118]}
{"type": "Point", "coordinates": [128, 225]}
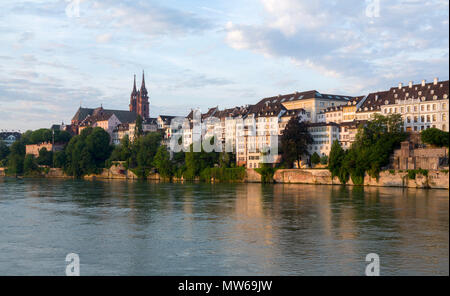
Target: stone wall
{"type": "Point", "coordinates": [435, 179]}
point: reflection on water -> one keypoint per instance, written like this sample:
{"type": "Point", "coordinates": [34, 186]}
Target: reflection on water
{"type": "Point", "coordinates": [140, 228]}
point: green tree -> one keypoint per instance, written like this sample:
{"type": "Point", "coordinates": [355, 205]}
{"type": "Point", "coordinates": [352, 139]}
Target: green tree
{"type": "Point", "coordinates": [162, 162]}
{"type": "Point", "coordinates": [87, 153]}
{"type": "Point", "coordinates": [336, 159]}
{"type": "Point", "coordinates": [45, 157]}
{"type": "Point", "coordinates": [324, 160]}
{"type": "Point", "coordinates": [4, 150]}
{"type": "Point", "coordinates": [30, 165]}
{"type": "Point", "coordinates": [59, 159]}
{"type": "Point", "coordinates": [138, 131]}
{"type": "Point", "coordinates": [435, 137]}
{"type": "Point", "coordinates": [315, 158]}
{"type": "Point", "coordinates": [16, 157]}
{"type": "Point", "coordinates": [295, 141]}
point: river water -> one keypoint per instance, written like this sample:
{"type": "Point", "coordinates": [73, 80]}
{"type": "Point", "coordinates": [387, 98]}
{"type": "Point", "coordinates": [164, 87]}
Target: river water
{"type": "Point", "coordinates": [140, 228]}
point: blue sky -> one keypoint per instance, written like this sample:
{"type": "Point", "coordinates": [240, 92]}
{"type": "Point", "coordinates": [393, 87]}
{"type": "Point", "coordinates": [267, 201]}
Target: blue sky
{"type": "Point", "coordinates": [208, 53]}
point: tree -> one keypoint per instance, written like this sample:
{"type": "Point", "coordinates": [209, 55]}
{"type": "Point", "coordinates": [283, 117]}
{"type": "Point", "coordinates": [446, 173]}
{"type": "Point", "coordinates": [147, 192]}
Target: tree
{"type": "Point", "coordinates": [45, 157]}
{"type": "Point", "coordinates": [336, 158]}
{"type": "Point", "coordinates": [162, 162]}
{"type": "Point", "coordinates": [16, 157]}
{"type": "Point", "coordinates": [371, 151]}
{"type": "Point", "coordinates": [315, 158]}
{"type": "Point", "coordinates": [138, 131]}
{"type": "Point", "coordinates": [324, 160]}
{"type": "Point", "coordinates": [295, 141]}
{"type": "Point", "coordinates": [87, 153]}
{"type": "Point", "coordinates": [435, 137]}
{"type": "Point", "coordinates": [4, 150]}
{"type": "Point", "coordinates": [59, 159]}
{"type": "Point", "coordinates": [30, 164]}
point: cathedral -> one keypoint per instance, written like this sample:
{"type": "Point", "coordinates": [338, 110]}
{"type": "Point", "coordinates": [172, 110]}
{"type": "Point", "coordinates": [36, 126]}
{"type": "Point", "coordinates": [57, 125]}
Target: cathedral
{"type": "Point", "coordinates": [139, 100]}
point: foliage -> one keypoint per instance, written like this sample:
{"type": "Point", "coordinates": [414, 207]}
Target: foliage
{"type": "Point", "coordinates": [223, 174]}
{"type": "Point", "coordinates": [324, 160]}
{"type": "Point", "coordinates": [45, 135]}
{"type": "Point", "coordinates": [87, 152]}
{"type": "Point", "coordinates": [315, 158]}
{"type": "Point", "coordinates": [374, 144]}
{"type": "Point", "coordinates": [4, 150]}
{"type": "Point", "coordinates": [30, 165]}
{"type": "Point", "coordinates": [198, 161]}
{"type": "Point", "coordinates": [162, 162]}
{"type": "Point", "coordinates": [45, 157]}
{"type": "Point", "coordinates": [138, 131]}
{"type": "Point", "coordinates": [295, 141]}
{"type": "Point", "coordinates": [336, 159]}
{"type": "Point", "coordinates": [412, 173]}
{"type": "Point", "coordinates": [16, 157]}
{"type": "Point", "coordinates": [266, 171]}
{"type": "Point", "coordinates": [436, 137]}
{"type": "Point", "coordinates": [59, 159]}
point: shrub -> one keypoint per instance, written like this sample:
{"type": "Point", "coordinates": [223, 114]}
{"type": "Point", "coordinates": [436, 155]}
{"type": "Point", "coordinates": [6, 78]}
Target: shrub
{"type": "Point", "coordinates": [434, 136]}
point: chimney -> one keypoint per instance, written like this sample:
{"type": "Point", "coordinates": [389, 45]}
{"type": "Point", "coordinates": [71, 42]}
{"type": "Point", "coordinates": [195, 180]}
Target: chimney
{"type": "Point", "coordinates": [410, 84]}
{"type": "Point", "coordinates": [400, 85]}
{"type": "Point", "coordinates": [423, 82]}
{"type": "Point", "coordinates": [435, 82]}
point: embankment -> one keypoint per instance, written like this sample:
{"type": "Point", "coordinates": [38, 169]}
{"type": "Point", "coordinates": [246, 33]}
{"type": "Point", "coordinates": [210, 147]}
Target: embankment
{"type": "Point", "coordinates": [434, 178]}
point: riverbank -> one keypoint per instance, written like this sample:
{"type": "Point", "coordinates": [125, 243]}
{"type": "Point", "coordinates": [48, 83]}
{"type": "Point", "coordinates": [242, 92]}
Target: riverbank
{"type": "Point", "coordinates": [433, 179]}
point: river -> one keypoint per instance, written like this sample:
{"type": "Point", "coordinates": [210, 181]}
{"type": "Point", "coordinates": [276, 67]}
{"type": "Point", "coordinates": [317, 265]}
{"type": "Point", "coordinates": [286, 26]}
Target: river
{"type": "Point", "coordinates": [141, 228]}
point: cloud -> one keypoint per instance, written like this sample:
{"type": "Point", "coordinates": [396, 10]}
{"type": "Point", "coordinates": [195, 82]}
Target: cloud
{"type": "Point", "coordinates": [103, 38]}
{"type": "Point", "coordinates": [337, 39]}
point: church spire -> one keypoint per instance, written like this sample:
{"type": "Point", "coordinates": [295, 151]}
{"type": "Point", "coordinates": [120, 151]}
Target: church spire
{"type": "Point", "coordinates": [143, 89]}
{"type": "Point", "coordinates": [134, 86]}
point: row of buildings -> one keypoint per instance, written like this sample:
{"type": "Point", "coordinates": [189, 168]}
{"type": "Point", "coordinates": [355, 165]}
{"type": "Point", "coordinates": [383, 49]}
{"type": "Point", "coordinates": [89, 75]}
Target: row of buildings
{"type": "Point", "coordinates": [246, 130]}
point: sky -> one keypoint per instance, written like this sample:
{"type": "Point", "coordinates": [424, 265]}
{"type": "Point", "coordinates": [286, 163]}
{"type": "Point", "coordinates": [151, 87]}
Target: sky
{"type": "Point", "coordinates": [56, 55]}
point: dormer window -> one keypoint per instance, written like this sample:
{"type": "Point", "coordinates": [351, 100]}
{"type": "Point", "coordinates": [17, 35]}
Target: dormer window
{"type": "Point", "coordinates": [386, 102]}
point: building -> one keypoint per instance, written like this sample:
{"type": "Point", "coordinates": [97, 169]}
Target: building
{"type": "Point", "coordinates": [323, 134]}
{"type": "Point", "coordinates": [35, 148]}
{"type": "Point", "coordinates": [410, 158]}
{"type": "Point", "coordinates": [9, 137]}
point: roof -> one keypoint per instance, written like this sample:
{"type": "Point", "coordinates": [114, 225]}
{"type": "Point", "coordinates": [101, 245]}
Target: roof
{"type": "Point", "coordinates": [99, 114]}
{"type": "Point", "coordinates": [353, 101]}
{"type": "Point", "coordinates": [5, 135]}
{"type": "Point", "coordinates": [166, 119]}
{"type": "Point", "coordinates": [316, 124]}
{"type": "Point", "coordinates": [303, 96]}
{"type": "Point", "coordinates": [424, 92]}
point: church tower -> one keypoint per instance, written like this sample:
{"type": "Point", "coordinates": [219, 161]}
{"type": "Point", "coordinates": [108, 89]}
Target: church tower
{"type": "Point", "coordinates": [139, 99]}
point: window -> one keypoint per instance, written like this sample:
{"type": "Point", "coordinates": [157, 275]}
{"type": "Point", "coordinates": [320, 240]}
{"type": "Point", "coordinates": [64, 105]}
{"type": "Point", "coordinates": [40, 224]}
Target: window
{"type": "Point", "coordinates": [408, 119]}
{"type": "Point", "coordinates": [415, 108]}
{"type": "Point", "coordinates": [422, 118]}
{"type": "Point", "coordinates": [415, 118]}
{"type": "Point", "coordinates": [434, 117]}
{"type": "Point", "coordinates": [434, 106]}
{"type": "Point", "coordinates": [428, 108]}
{"type": "Point", "coordinates": [428, 118]}
{"type": "Point", "coordinates": [422, 108]}
{"type": "Point", "coordinates": [444, 117]}
{"type": "Point", "coordinates": [402, 110]}
{"type": "Point", "coordinates": [407, 109]}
